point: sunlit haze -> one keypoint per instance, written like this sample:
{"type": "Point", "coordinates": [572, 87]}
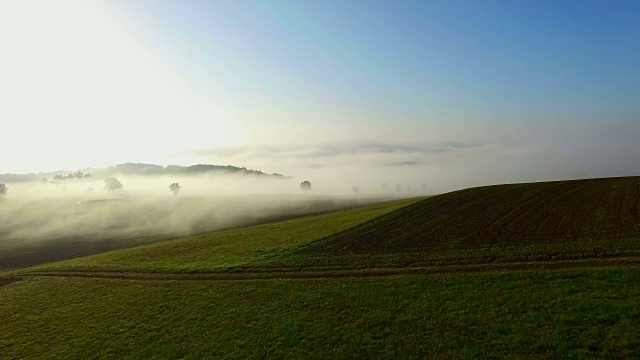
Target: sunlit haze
{"type": "Point", "coordinates": [446, 93]}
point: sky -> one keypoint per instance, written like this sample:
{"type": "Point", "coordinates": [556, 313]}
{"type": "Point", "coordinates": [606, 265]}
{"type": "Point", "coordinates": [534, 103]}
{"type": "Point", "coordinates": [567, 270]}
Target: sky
{"type": "Point", "coordinates": [447, 93]}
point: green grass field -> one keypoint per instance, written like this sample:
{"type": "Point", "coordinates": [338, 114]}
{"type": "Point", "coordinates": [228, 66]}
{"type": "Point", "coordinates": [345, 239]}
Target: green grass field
{"type": "Point", "coordinates": [403, 287]}
{"type": "Point", "coordinates": [224, 249]}
{"type": "Point", "coordinates": [520, 315]}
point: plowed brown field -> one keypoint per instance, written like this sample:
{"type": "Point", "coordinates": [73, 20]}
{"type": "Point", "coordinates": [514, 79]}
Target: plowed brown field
{"type": "Point", "coordinates": [605, 210]}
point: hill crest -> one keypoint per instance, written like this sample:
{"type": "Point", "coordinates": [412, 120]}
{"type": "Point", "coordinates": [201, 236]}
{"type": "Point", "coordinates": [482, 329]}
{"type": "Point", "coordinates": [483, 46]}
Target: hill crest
{"type": "Point", "coordinates": [561, 211]}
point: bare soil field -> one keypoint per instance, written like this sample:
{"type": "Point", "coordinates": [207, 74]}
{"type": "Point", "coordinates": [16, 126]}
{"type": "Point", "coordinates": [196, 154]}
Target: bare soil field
{"type": "Point", "coordinates": [602, 210]}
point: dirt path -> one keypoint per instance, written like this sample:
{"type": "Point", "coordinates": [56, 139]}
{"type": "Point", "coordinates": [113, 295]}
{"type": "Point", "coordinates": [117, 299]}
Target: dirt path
{"type": "Point", "coordinates": [323, 273]}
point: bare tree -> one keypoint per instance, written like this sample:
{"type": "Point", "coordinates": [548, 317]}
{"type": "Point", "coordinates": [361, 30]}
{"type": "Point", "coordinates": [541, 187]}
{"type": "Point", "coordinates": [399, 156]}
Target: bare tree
{"type": "Point", "coordinates": [175, 188]}
{"type": "Point", "coordinates": [355, 189]}
{"type": "Point", "coordinates": [112, 184]}
{"type": "Point", "coordinates": [305, 186]}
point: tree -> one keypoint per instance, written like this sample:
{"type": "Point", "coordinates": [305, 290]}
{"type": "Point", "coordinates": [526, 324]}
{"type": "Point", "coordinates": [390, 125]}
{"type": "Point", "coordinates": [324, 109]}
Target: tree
{"type": "Point", "coordinates": [112, 184]}
{"type": "Point", "coordinates": [3, 189]}
{"type": "Point", "coordinates": [175, 188]}
{"type": "Point", "coordinates": [305, 186]}
{"type": "Point", "coordinates": [355, 189]}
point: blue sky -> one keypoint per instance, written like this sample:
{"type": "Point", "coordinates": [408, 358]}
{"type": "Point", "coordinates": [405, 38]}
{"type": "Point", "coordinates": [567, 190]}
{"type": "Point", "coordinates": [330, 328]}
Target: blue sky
{"type": "Point", "coordinates": [473, 59]}
{"type": "Point", "coordinates": [554, 81]}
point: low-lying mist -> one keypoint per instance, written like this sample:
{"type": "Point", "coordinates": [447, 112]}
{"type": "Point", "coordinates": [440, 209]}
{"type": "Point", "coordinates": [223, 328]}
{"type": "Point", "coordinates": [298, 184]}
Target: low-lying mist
{"type": "Point", "coordinates": [83, 210]}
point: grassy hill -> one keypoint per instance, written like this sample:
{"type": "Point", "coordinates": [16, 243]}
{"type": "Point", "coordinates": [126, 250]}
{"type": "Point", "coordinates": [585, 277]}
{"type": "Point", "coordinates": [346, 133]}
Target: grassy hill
{"type": "Point", "coordinates": [221, 250]}
{"type": "Point", "coordinates": [546, 270]}
{"type": "Point", "coordinates": [534, 223]}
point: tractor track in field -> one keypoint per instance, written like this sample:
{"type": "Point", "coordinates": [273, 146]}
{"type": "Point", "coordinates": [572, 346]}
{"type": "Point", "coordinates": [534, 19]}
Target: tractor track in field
{"type": "Point", "coordinates": [333, 272]}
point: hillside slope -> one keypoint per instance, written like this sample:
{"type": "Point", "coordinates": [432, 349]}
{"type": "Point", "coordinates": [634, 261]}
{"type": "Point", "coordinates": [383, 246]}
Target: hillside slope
{"type": "Point", "coordinates": [605, 210]}
{"type": "Point", "coordinates": [219, 250]}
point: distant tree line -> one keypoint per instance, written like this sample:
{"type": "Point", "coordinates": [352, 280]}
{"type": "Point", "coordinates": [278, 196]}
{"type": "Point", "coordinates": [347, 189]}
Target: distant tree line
{"type": "Point", "coordinates": [75, 175]}
{"type": "Point", "coordinates": [21, 178]}
{"type": "Point", "coordinates": [18, 178]}
{"type": "Point", "coordinates": [151, 169]}
{"type": "Point", "coordinates": [137, 169]}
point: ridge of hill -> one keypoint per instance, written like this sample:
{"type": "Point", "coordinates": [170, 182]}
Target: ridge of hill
{"type": "Point", "coordinates": [604, 209]}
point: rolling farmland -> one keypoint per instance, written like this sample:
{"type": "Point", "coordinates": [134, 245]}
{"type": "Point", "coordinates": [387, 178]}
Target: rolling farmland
{"type": "Point", "coordinates": [540, 270]}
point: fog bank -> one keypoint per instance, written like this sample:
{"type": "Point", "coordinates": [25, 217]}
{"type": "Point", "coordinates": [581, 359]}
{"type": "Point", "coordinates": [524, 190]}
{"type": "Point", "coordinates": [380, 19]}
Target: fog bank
{"type": "Point", "coordinates": [83, 210]}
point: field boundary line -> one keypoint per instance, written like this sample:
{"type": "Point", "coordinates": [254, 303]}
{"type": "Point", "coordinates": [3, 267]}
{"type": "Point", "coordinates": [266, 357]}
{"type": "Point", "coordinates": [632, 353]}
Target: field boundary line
{"type": "Point", "coordinates": [296, 273]}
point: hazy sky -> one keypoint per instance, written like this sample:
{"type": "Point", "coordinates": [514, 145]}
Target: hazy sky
{"type": "Point", "coordinates": [489, 91]}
